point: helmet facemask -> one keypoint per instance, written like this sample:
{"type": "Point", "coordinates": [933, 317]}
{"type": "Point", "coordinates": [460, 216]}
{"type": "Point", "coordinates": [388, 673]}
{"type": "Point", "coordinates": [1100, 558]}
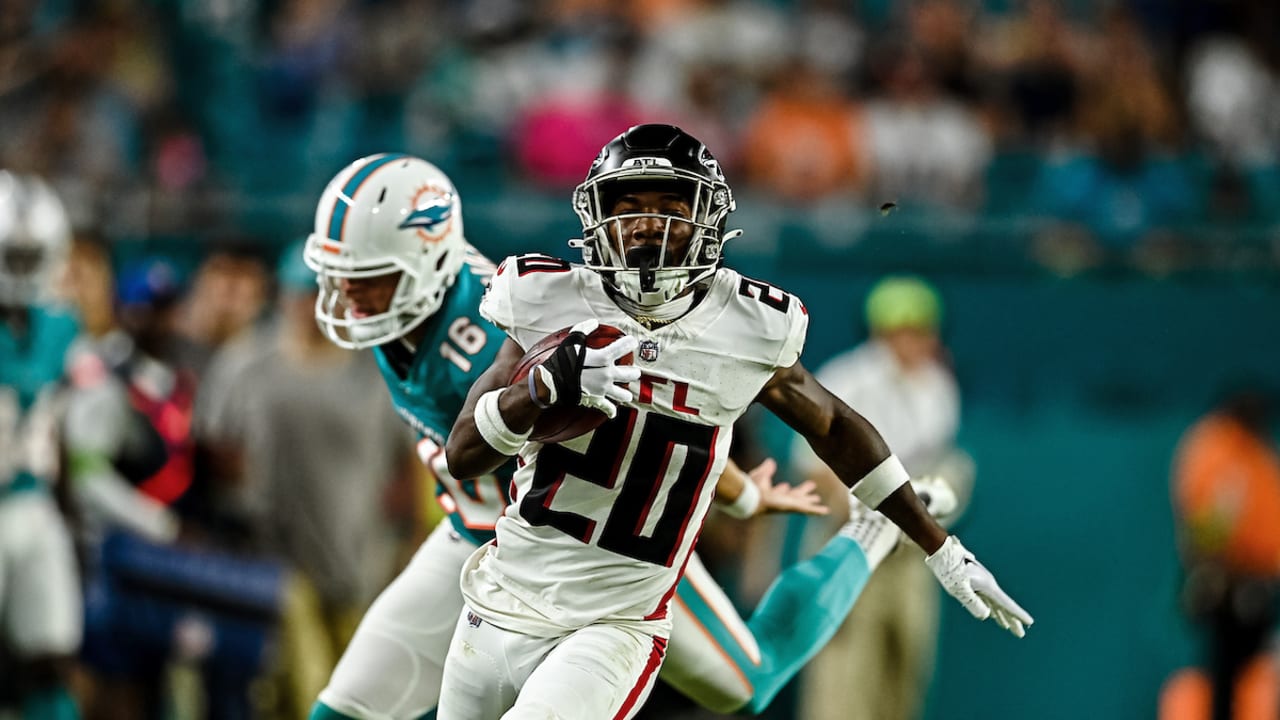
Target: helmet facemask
{"type": "Point", "coordinates": [411, 303]}
{"type": "Point", "coordinates": [653, 274]}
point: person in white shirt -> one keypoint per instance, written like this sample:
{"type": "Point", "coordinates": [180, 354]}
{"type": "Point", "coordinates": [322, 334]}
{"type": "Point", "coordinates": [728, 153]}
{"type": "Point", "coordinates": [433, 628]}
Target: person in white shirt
{"type": "Point", "coordinates": [882, 657]}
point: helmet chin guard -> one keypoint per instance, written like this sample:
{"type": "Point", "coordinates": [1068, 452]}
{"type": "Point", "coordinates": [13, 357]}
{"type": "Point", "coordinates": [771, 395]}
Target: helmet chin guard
{"type": "Point", "coordinates": [647, 157]}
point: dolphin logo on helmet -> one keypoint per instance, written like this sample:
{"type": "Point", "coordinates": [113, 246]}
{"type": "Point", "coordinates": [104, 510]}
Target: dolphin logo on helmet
{"type": "Point", "coordinates": [431, 214]}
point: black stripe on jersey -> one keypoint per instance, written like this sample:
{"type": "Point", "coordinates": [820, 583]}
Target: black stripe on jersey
{"type": "Point", "coordinates": [526, 264]}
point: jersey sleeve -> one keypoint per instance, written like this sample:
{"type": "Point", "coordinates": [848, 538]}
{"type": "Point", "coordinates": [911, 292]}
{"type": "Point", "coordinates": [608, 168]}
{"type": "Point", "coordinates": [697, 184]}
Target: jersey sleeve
{"type": "Point", "coordinates": [527, 295]}
{"type": "Point", "coordinates": [770, 324]}
{"type": "Point", "coordinates": [496, 306]}
{"type": "Point", "coordinates": [797, 331]}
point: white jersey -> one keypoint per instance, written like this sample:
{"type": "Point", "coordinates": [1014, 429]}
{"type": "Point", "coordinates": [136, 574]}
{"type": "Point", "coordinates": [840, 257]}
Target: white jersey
{"type": "Point", "coordinates": [601, 525]}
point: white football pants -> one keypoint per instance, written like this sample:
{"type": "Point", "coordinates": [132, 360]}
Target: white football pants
{"type": "Point", "coordinates": [599, 672]}
{"type": "Point", "coordinates": [392, 668]}
{"type": "Point", "coordinates": [40, 608]}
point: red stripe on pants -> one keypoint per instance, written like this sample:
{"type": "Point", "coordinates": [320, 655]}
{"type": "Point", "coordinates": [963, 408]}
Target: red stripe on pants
{"type": "Point", "coordinates": [646, 678]}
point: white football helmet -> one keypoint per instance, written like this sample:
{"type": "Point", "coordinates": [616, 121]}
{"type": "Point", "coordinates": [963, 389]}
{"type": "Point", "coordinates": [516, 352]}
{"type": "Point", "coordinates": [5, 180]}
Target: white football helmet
{"type": "Point", "coordinates": [383, 214]}
{"type": "Point", "coordinates": [35, 237]}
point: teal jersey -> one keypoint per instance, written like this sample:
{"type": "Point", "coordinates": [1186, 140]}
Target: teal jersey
{"type": "Point", "coordinates": [32, 363]}
{"type": "Point", "coordinates": [458, 346]}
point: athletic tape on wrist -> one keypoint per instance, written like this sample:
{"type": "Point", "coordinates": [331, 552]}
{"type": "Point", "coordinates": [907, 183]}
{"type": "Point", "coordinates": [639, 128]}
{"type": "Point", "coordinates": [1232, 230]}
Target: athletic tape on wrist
{"type": "Point", "coordinates": [494, 429]}
{"type": "Point", "coordinates": [880, 483]}
{"type": "Point", "coordinates": [533, 391]}
{"type": "Point", "coordinates": [747, 502]}
{"type": "Point", "coordinates": [549, 381]}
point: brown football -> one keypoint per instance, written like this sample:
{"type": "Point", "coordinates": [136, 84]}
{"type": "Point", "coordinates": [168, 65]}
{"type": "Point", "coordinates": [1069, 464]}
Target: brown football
{"type": "Point", "coordinates": [558, 424]}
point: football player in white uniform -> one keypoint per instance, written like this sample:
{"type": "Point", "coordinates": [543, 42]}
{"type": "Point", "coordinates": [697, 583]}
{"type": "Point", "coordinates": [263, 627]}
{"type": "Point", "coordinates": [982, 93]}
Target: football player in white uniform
{"type": "Point", "coordinates": [40, 609]}
{"type": "Point", "coordinates": [383, 226]}
{"type": "Point", "coordinates": [569, 609]}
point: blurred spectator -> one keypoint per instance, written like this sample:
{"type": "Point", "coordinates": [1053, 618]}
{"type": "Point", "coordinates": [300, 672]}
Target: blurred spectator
{"type": "Point", "coordinates": [1123, 186]}
{"type": "Point", "coordinates": [830, 39]}
{"type": "Point", "coordinates": [304, 43]}
{"type": "Point", "coordinates": [942, 31]}
{"type": "Point", "coordinates": [556, 136]}
{"type": "Point", "coordinates": [311, 503]}
{"type": "Point", "coordinates": [128, 426]}
{"type": "Point", "coordinates": [1226, 496]}
{"type": "Point", "coordinates": [881, 660]}
{"type": "Point", "coordinates": [704, 113]}
{"type": "Point", "coordinates": [227, 297]}
{"type": "Point", "coordinates": [747, 41]}
{"type": "Point", "coordinates": [1233, 99]}
{"type": "Point", "coordinates": [1037, 56]}
{"type": "Point", "coordinates": [129, 408]}
{"type": "Point", "coordinates": [1123, 89]}
{"type": "Point", "coordinates": [926, 147]}
{"type": "Point", "coordinates": [1233, 104]}
{"type": "Point", "coordinates": [157, 363]}
{"type": "Point", "coordinates": [222, 317]}
{"type": "Point", "coordinates": [802, 144]}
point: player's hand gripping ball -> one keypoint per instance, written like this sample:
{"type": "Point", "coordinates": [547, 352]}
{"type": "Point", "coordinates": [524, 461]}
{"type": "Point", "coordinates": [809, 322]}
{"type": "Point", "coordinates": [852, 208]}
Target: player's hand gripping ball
{"type": "Point", "coordinates": [567, 420]}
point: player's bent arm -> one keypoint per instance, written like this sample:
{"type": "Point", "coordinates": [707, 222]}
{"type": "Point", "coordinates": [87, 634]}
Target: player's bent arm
{"type": "Point", "coordinates": [467, 451]}
{"type": "Point", "coordinates": [849, 445]}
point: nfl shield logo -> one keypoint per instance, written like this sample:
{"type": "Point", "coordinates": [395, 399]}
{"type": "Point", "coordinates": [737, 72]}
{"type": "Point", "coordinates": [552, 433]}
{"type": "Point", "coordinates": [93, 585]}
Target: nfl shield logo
{"type": "Point", "coordinates": [648, 350]}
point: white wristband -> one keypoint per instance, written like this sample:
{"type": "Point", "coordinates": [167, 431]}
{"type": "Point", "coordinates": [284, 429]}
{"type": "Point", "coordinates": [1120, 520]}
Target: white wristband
{"type": "Point", "coordinates": [880, 483]}
{"type": "Point", "coordinates": [747, 502]}
{"type": "Point", "coordinates": [494, 429]}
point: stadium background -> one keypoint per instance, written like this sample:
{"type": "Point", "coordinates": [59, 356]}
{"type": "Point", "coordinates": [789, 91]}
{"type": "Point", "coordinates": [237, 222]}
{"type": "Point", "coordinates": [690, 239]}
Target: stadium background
{"type": "Point", "coordinates": [1096, 304]}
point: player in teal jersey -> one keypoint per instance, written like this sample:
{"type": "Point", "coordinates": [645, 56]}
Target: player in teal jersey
{"type": "Point", "coordinates": [40, 610]}
{"type": "Point", "coordinates": [396, 275]}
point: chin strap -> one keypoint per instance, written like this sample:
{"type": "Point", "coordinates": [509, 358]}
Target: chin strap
{"type": "Point", "coordinates": [647, 260]}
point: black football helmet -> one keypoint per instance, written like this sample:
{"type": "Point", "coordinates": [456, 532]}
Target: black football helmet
{"type": "Point", "coordinates": [653, 156]}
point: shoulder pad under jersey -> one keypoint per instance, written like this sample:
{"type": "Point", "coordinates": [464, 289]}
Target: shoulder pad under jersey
{"type": "Point", "coordinates": [774, 323]}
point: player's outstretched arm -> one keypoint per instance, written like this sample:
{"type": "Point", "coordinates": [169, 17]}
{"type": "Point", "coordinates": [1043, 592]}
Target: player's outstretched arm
{"type": "Point", "coordinates": [858, 455]}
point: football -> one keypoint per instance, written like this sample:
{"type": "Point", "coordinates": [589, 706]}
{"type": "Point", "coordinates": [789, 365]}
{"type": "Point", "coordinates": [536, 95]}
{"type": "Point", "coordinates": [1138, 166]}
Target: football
{"type": "Point", "coordinates": [558, 424]}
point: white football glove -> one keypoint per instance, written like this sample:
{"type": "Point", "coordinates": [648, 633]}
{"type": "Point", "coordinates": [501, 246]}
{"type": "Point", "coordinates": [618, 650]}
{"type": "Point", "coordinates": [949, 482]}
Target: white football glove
{"type": "Point", "coordinates": [601, 384]}
{"type": "Point", "coordinates": [973, 585]}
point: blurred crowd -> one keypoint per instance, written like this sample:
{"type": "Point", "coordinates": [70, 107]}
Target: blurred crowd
{"type": "Point", "coordinates": [1119, 123]}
